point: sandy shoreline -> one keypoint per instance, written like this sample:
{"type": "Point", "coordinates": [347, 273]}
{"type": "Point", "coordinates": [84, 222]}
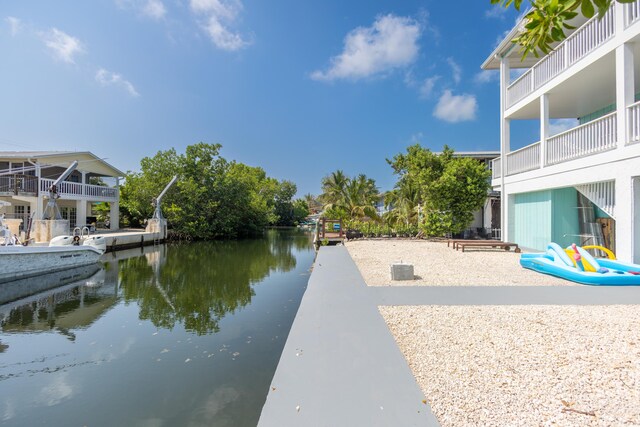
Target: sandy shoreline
{"type": "Point", "coordinates": [435, 264]}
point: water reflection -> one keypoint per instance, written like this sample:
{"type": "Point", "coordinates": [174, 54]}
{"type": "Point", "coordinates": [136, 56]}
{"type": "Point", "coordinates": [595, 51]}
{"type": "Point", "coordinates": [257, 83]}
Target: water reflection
{"type": "Point", "coordinates": [192, 284]}
{"type": "Point", "coordinates": [165, 335]}
{"type": "Point", "coordinates": [178, 284]}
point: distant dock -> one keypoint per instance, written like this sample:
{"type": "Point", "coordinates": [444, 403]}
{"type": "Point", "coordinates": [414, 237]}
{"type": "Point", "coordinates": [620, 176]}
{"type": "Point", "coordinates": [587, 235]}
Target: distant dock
{"type": "Point", "coordinates": [130, 239]}
{"type": "Point", "coordinates": [329, 232]}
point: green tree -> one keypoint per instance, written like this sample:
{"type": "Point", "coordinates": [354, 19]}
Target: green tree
{"type": "Point", "coordinates": [449, 188]}
{"type": "Point", "coordinates": [349, 198]}
{"type": "Point", "coordinates": [284, 203]}
{"type": "Point", "coordinates": [548, 19]}
{"type": "Point", "coordinates": [300, 210]}
{"type": "Point", "coordinates": [213, 198]}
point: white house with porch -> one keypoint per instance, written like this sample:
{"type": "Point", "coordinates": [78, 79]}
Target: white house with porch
{"type": "Point", "coordinates": [581, 185]}
{"type": "Point", "coordinates": [25, 178]}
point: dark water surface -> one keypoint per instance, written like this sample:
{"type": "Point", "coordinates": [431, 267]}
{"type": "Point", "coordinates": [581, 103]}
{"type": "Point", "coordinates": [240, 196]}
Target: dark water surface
{"type": "Point", "coordinates": [184, 335]}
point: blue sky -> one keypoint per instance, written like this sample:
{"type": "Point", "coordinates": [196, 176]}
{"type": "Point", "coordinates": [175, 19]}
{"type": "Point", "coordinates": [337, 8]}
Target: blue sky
{"type": "Point", "coordinates": [298, 88]}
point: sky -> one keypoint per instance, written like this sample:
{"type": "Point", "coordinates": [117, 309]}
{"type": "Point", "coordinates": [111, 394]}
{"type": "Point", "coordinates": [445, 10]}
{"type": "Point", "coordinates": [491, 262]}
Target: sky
{"type": "Point", "coordinates": [298, 88]}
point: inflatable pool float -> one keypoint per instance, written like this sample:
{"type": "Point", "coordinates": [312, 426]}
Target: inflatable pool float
{"type": "Point", "coordinates": [584, 268]}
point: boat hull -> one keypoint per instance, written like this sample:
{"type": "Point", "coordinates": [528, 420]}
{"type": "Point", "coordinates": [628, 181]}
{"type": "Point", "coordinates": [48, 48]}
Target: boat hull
{"type": "Point", "coordinates": [19, 262]}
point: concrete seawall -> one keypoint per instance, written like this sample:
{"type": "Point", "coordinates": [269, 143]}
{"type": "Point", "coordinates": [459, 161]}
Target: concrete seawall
{"type": "Point", "coordinates": [130, 239]}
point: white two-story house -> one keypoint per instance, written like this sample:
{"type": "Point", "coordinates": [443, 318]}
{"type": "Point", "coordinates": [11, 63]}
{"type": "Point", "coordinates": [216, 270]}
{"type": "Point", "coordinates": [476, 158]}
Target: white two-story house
{"type": "Point", "coordinates": [581, 185]}
{"type": "Point", "coordinates": [25, 178]}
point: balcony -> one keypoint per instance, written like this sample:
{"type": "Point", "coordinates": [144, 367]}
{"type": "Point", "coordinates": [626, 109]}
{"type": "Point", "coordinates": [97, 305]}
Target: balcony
{"type": "Point", "coordinates": [18, 184]}
{"type": "Point", "coordinates": [77, 191]}
{"type": "Point", "coordinates": [591, 138]}
{"type": "Point", "coordinates": [593, 34]}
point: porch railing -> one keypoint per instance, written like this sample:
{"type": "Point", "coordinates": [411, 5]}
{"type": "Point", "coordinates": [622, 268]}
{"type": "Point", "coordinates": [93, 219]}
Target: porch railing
{"type": "Point", "coordinates": [631, 13]}
{"type": "Point", "coordinates": [496, 168]}
{"type": "Point", "coordinates": [525, 159]}
{"type": "Point", "coordinates": [80, 191]}
{"type": "Point", "coordinates": [19, 184]}
{"type": "Point", "coordinates": [584, 140]}
{"type": "Point", "coordinates": [633, 114]}
{"type": "Point", "coordinates": [588, 37]}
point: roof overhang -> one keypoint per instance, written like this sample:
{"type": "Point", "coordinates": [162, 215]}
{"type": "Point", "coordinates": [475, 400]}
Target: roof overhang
{"type": "Point", "coordinates": [513, 52]}
{"type": "Point", "coordinates": [87, 161]}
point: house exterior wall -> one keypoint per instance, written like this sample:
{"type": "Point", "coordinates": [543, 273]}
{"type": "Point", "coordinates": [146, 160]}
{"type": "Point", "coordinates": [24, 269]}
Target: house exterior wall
{"type": "Point", "coordinates": [75, 192]}
{"type": "Point", "coordinates": [536, 181]}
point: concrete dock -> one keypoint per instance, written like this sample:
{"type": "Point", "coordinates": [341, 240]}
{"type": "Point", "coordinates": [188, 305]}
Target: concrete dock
{"type": "Point", "coordinates": [340, 365]}
{"type": "Point", "coordinates": [129, 239]}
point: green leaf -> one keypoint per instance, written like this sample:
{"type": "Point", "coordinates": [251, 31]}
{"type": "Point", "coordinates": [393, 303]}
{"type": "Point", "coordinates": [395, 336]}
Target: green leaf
{"type": "Point", "coordinates": [587, 8]}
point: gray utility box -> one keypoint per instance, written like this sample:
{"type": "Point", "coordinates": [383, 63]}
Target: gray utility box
{"type": "Point", "coordinates": [401, 271]}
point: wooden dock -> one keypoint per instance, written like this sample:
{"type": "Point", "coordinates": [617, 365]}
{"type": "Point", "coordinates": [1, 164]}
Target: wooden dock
{"type": "Point", "coordinates": [329, 232]}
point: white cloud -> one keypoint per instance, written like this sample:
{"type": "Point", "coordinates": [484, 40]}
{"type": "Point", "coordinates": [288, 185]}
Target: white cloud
{"type": "Point", "coordinates": [391, 42]}
{"type": "Point", "coordinates": [107, 78]}
{"type": "Point", "coordinates": [496, 11]}
{"type": "Point", "coordinates": [219, 16]}
{"type": "Point", "coordinates": [560, 125]}
{"type": "Point", "coordinates": [15, 25]}
{"type": "Point", "coordinates": [64, 46]}
{"type": "Point", "coordinates": [486, 76]}
{"type": "Point", "coordinates": [455, 70]}
{"type": "Point", "coordinates": [154, 9]}
{"type": "Point", "coordinates": [426, 89]}
{"type": "Point", "coordinates": [456, 108]}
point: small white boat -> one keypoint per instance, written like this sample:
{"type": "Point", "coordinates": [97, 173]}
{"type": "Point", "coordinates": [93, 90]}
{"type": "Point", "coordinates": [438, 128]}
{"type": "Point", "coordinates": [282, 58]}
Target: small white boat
{"type": "Point", "coordinates": [18, 262]}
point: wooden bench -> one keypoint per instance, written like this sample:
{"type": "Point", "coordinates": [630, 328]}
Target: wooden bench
{"type": "Point", "coordinates": [486, 244]}
{"type": "Point", "coordinates": [457, 242]}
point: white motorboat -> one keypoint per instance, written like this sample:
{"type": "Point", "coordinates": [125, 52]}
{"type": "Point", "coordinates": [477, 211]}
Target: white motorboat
{"type": "Point", "coordinates": [17, 262]}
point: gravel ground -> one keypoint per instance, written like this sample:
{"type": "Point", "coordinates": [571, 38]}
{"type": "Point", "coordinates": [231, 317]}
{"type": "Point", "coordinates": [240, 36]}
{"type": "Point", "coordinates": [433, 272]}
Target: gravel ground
{"type": "Point", "coordinates": [524, 365]}
{"type": "Point", "coordinates": [435, 264]}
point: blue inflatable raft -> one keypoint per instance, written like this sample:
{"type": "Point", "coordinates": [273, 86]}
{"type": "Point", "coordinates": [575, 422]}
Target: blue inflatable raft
{"type": "Point", "coordinates": [556, 262]}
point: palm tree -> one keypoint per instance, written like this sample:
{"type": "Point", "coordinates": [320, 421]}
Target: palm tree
{"type": "Point", "coordinates": [334, 190]}
{"type": "Point", "coordinates": [362, 194]}
{"type": "Point", "coordinates": [405, 201]}
{"type": "Point", "coordinates": [355, 196]}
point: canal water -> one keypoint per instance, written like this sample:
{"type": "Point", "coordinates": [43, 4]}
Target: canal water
{"type": "Point", "coordinates": [177, 335]}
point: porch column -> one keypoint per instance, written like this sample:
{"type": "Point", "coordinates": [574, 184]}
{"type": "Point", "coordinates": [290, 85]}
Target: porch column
{"type": "Point", "coordinates": [625, 91]}
{"type": "Point", "coordinates": [114, 216]}
{"type": "Point", "coordinates": [624, 192]}
{"type": "Point", "coordinates": [81, 213]}
{"type": "Point", "coordinates": [505, 144]}
{"type": "Point", "coordinates": [544, 128]}
{"type": "Point", "coordinates": [39, 198]}
{"type": "Point", "coordinates": [635, 221]}
{"type": "Point", "coordinates": [84, 182]}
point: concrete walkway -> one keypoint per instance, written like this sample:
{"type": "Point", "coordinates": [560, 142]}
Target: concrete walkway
{"type": "Point", "coordinates": [341, 366]}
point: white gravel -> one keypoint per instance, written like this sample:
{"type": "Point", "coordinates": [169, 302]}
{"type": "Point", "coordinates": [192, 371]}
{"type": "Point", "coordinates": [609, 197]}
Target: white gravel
{"type": "Point", "coordinates": [524, 365]}
{"type": "Point", "coordinates": [435, 264]}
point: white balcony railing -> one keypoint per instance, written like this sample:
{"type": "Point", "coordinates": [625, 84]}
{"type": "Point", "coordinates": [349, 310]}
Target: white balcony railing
{"type": "Point", "coordinates": [81, 191]}
{"type": "Point", "coordinates": [587, 38]}
{"type": "Point", "coordinates": [496, 168]}
{"type": "Point", "coordinates": [520, 88]}
{"type": "Point", "coordinates": [525, 159]}
{"type": "Point", "coordinates": [633, 116]}
{"type": "Point", "coordinates": [631, 13]}
{"type": "Point", "coordinates": [549, 67]}
{"type": "Point", "coordinates": [591, 138]}
{"type": "Point", "coordinates": [591, 35]}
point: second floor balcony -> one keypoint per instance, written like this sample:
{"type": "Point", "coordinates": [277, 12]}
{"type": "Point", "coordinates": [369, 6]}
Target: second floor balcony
{"type": "Point", "coordinates": [30, 186]}
{"type": "Point", "coordinates": [594, 34]}
{"type": "Point", "coordinates": [590, 139]}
